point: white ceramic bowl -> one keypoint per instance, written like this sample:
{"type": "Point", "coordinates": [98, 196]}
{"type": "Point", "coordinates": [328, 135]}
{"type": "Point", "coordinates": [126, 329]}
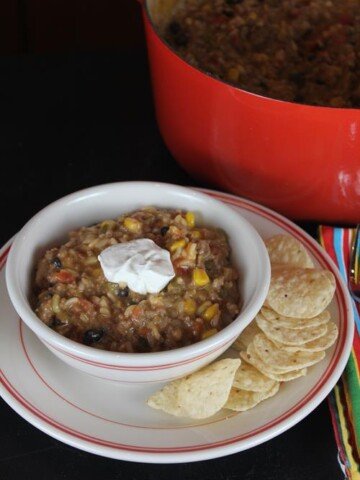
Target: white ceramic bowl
{"type": "Point", "coordinates": [50, 227]}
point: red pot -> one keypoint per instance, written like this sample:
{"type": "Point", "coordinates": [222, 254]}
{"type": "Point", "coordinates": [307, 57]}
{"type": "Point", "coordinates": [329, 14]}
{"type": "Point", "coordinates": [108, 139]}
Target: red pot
{"type": "Point", "coordinates": [300, 160]}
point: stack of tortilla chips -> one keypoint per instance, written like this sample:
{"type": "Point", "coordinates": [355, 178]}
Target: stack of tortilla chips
{"type": "Point", "coordinates": [289, 335]}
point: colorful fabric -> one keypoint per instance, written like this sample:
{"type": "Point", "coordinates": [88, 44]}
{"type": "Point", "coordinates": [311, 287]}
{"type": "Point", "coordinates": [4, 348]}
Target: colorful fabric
{"type": "Point", "coordinates": [344, 400]}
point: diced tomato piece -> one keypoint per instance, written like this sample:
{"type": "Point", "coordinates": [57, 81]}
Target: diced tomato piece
{"type": "Point", "coordinates": [180, 270]}
{"type": "Point", "coordinates": [136, 312]}
{"type": "Point", "coordinates": [82, 306]}
{"type": "Point", "coordinates": [346, 19]}
{"type": "Point", "coordinates": [339, 39]}
{"type": "Point", "coordinates": [294, 13]}
{"type": "Point", "coordinates": [64, 276]}
{"type": "Point", "coordinates": [143, 331]}
{"type": "Point", "coordinates": [86, 305]}
{"type": "Point", "coordinates": [197, 328]}
{"type": "Point", "coordinates": [218, 20]}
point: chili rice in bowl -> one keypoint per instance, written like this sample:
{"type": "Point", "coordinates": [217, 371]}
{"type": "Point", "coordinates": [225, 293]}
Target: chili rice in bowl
{"type": "Point", "coordinates": [182, 314]}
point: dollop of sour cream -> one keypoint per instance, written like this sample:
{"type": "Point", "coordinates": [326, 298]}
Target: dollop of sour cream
{"type": "Point", "coordinates": [141, 264]}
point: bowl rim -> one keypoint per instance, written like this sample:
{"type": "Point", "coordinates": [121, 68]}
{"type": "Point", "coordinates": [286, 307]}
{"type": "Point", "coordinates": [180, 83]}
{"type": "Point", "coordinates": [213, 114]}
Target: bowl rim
{"type": "Point", "coordinates": [145, 7]}
{"type": "Point", "coordinates": [169, 357]}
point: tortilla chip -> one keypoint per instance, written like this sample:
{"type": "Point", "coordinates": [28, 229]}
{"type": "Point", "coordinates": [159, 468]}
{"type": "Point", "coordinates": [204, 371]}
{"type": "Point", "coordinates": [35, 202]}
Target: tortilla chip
{"type": "Point", "coordinates": [300, 293]}
{"type": "Point", "coordinates": [205, 392]}
{"type": "Point", "coordinates": [290, 336]}
{"type": "Point", "coordinates": [318, 345]}
{"type": "Point", "coordinates": [246, 336]}
{"type": "Point", "coordinates": [285, 361]}
{"type": "Point", "coordinates": [269, 368]}
{"type": "Point", "coordinates": [251, 379]}
{"type": "Point", "coordinates": [284, 249]}
{"type": "Point", "coordinates": [199, 395]}
{"type": "Point", "coordinates": [242, 400]}
{"type": "Point", "coordinates": [294, 323]}
{"type": "Point", "coordinates": [252, 357]}
{"type": "Point", "coordinates": [166, 400]}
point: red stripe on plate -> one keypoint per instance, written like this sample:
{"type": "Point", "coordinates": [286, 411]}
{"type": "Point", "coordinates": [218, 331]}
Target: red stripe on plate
{"type": "Point", "coordinates": [5, 253]}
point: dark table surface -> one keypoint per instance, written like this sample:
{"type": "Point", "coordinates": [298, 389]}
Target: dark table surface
{"type": "Point", "coordinates": [69, 122]}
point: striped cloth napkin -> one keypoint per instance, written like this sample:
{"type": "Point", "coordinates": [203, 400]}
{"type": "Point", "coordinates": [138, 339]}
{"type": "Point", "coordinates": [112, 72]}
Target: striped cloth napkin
{"type": "Point", "coordinates": [344, 400]}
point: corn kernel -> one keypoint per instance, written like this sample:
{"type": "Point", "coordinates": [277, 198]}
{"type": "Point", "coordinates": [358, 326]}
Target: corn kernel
{"type": "Point", "coordinates": [177, 244]}
{"type": "Point", "coordinates": [96, 272]}
{"type": "Point", "coordinates": [190, 219]}
{"type": "Point", "coordinates": [189, 306]}
{"type": "Point", "coordinates": [200, 277]}
{"type": "Point", "coordinates": [233, 74]}
{"type": "Point", "coordinates": [55, 303]}
{"type": "Point", "coordinates": [196, 234]}
{"type": "Point", "coordinates": [210, 312]}
{"type": "Point", "coordinates": [209, 333]}
{"type": "Point", "coordinates": [90, 260]}
{"type": "Point", "coordinates": [133, 225]}
{"type": "Point", "coordinates": [55, 306]}
{"type": "Point", "coordinates": [107, 225]}
{"type": "Point", "coordinates": [203, 307]}
{"type": "Point", "coordinates": [336, 102]}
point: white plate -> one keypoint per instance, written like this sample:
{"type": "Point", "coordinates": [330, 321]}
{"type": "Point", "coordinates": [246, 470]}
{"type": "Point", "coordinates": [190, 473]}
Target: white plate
{"type": "Point", "coordinates": [113, 420]}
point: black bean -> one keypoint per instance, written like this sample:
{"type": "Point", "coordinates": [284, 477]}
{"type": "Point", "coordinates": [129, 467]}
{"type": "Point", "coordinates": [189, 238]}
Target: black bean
{"type": "Point", "coordinates": [143, 344]}
{"type": "Point", "coordinates": [55, 322]}
{"type": "Point", "coordinates": [164, 230]}
{"type": "Point", "coordinates": [178, 35]}
{"type": "Point", "coordinates": [307, 33]}
{"type": "Point", "coordinates": [298, 78]}
{"type": "Point", "coordinates": [228, 13]}
{"type": "Point", "coordinates": [174, 27]}
{"type": "Point", "coordinates": [123, 292]}
{"type": "Point", "coordinates": [181, 39]}
{"type": "Point", "coordinates": [56, 262]}
{"type": "Point", "coordinates": [319, 47]}
{"type": "Point", "coordinates": [92, 336]}
{"type": "Point", "coordinates": [210, 268]}
{"type": "Point", "coordinates": [46, 295]}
